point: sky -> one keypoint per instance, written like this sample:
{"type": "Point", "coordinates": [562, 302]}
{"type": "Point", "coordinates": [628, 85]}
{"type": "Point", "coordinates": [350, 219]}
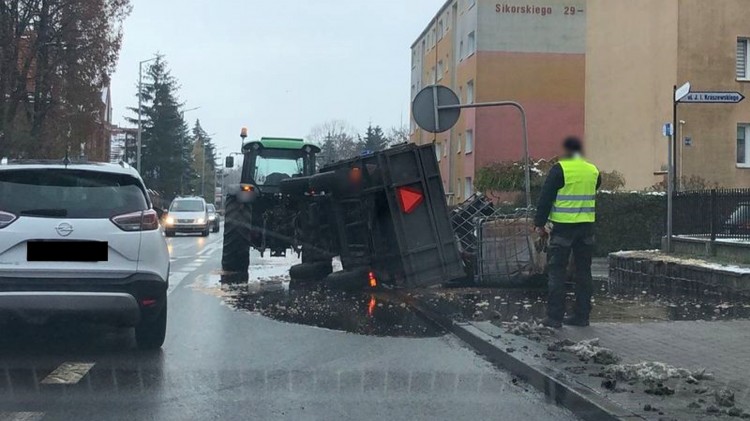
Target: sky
{"type": "Point", "coordinates": [278, 67]}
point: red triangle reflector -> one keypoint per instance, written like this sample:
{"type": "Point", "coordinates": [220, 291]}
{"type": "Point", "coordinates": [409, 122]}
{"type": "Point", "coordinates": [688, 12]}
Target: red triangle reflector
{"type": "Point", "coordinates": [409, 198]}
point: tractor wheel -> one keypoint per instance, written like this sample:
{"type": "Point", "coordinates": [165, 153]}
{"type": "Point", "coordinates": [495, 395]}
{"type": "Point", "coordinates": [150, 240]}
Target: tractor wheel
{"type": "Point", "coordinates": [347, 280]}
{"type": "Point", "coordinates": [310, 272]}
{"type": "Point", "coordinates": [236, 250]}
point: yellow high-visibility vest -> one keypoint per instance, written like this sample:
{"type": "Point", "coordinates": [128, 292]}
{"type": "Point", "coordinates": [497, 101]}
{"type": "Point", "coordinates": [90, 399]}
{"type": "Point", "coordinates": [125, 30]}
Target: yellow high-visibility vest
{"type": "Point", "coordinates": [576, 201]}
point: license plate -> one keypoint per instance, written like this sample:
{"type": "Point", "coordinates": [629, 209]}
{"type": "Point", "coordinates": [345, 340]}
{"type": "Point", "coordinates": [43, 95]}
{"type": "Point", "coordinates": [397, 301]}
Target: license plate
{"type": "Point", "coordinates": [67, 251]}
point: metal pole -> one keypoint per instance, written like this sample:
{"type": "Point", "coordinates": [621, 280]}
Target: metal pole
{"type": "Point", "coordinates": [140, 123]}
{"type": "Point", "coordinates": [526, 158]}
{"type": "Point", "coordinates": [670, 188]}
{"type": "Point", "coordinates": [140, 103]}
{"type": "Point", "coordinates": [203, 174]}
{"type": "Point", "coordinates": [676, 182]}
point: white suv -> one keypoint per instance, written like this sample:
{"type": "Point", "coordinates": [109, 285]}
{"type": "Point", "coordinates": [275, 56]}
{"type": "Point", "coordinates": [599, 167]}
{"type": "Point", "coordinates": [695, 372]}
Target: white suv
{"type": "Point", "coordinates": [82, 240]}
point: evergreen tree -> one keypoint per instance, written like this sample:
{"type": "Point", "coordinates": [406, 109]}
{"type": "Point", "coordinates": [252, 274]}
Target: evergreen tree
{"type": "Point", "coordinates": [374, 140]}
{"type": "Point", "coordinates": [167, 150]}
{"type": "Point", "coordinates": [203, 163]}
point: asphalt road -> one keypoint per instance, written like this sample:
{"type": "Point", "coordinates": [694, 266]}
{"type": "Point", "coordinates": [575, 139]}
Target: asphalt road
{"type": "Point", "coordinates": [220, 363]}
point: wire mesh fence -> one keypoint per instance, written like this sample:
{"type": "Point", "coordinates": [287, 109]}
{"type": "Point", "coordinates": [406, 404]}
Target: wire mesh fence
{"type": "Point", "coordinates": [499, 242]}
{"type": "Point", "coordinates": [717, 214]}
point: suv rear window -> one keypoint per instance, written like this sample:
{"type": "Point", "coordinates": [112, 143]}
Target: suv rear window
{"type": "Point", "coordinates": [186, 206]}
{"type": "Point", "coordinates": [66, 193]}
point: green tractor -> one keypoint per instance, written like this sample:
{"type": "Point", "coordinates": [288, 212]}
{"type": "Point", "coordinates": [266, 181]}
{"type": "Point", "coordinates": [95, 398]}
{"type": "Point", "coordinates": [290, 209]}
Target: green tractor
{"type": "Point", "coordinates": [257, 214]}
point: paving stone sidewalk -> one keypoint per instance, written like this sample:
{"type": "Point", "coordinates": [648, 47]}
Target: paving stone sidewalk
{"type": "Point", "coordinates": [722, 347]}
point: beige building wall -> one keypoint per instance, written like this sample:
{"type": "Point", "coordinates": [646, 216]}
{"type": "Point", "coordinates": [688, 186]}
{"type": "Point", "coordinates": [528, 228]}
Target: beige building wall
{"type": "Point", "coordinates": [708, 33]}
{"type": "Point", "coordinates": [631, 66]}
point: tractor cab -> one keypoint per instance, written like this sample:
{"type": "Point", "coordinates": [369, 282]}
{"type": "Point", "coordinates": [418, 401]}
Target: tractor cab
{"type": "Point", "coordinates": [269, 161]}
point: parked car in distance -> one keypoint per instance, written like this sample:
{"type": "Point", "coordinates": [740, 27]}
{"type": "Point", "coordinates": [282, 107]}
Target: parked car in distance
{"type": "Point", "coordinates": [738, 222]}
{"type": "Point", "coordinates": [81, 241]}
{"type": "Point", "coordinates": [187, 215]}
{"type": "Point", "coordinates": [213, 218]}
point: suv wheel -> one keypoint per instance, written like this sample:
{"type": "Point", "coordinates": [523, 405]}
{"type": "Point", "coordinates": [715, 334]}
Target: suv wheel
{"type": "Point", "coordinates": [150, 334]}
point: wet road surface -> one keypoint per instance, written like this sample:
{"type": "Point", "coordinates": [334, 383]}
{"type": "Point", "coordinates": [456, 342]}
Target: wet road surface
{"type": "Point", "coordinates": [224, 359]}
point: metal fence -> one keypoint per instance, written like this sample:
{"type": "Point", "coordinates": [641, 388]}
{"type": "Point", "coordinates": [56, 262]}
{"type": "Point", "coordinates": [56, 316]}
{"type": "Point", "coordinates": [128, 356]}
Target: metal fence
{"type": "Point", "coordinates": [498, 242]}
{"type": "Point", "coordinates": [717, 214]}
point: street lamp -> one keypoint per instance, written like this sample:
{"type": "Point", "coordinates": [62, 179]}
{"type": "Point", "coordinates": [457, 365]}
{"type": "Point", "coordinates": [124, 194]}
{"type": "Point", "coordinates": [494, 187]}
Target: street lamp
{"type": "Point", "coordinates": [140, 103]}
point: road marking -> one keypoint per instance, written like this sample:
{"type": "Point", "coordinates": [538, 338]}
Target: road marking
{"type": "Point", "coordinates": [174, 280]}
{"type": "Point", "coordinates": [21, 416]}
{"type": "Point", "coordinates": [68, 373]}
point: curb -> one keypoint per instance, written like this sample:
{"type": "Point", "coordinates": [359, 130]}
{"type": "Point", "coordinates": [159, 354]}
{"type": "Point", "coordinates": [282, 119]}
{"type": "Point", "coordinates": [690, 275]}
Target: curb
{"type": "Point", "coordinates": [580, 400]}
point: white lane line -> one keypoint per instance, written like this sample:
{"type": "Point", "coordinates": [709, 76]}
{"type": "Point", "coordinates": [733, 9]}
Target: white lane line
{"type": "Point", "coordinates": [174, 280]}
{"type": "Point", "coordinates": [68, 373]}
{"type": "Point", "coordinates": [21, 416]}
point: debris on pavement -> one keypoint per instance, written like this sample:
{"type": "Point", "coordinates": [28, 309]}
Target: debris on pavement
{"type": "Point", "coordinates": [724, 397]}
{"type": "Point", "coordinates": [589, 349]}
{"type": "Point", "coordinates": [652, 372]}
{"type": "Point", "coordinates": [531, 330]}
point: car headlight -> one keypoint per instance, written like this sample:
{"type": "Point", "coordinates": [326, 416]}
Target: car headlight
{"type": "Point", "coordinates": [212, 218]}
{"type": "Point", "coordinates": [201, 220]}
{"type": "Point", "coordinates": [169, 220]}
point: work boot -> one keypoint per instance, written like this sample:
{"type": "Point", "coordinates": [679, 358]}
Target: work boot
{"type": "Point", "coordinates": [576, 321]}
{"type": "Point", "coordinates": [550, 322]}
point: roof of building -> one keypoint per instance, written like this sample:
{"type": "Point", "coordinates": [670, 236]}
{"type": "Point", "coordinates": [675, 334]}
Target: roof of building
{"type": "Point", "coordinates": [433, 21]}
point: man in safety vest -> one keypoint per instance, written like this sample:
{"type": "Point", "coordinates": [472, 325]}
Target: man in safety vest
{"type": "Point", "coordinates": [568, 200]}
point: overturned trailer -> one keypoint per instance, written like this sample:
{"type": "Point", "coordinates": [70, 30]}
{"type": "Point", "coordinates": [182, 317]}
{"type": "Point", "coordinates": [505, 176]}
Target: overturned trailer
{"type": "Point", "coordinates": [384, 214]}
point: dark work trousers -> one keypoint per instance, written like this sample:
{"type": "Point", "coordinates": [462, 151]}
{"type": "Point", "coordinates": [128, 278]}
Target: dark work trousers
{"type": "Point", "coordinates": [578, 239]}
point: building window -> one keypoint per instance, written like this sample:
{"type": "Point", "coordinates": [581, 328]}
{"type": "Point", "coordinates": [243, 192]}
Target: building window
{"type": "Point", "coordinates": [440, 70]}
{"type": "Point", "coordinates": [470, 92]}
{"type": "Point", "coordinates": [445, 149]}
{"type": "Point", "coordinates": [469, 148]}
{"type": "Point", "coordinates": [472, 44]}
{"type": "Point", "coordinates": [458, 144]}
{"type": "Point", "coordinates": [458, 188]}
{"type": "Point", "coordinates": [461, 51]}
{"type": "Point", "coordinates": [742, 56]}
{"type": "Point", "coordinates": [469, 187]}
{"type": "Point", "coordinates": [743, 149]}
{"type": "Point", "coordinates": [441, 29]}
{"type": "Point", "coordinates": [438, 150]}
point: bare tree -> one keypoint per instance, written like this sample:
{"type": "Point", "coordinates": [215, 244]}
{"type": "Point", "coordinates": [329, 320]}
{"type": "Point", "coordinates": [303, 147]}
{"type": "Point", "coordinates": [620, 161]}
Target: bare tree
{"type": "Point", "coordinates": [337, 140]}
{"type": "Point", "coordinates": [56, 56]}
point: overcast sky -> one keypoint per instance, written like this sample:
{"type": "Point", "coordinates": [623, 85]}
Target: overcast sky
{"type": "Point", "coordinates": [278, 67]}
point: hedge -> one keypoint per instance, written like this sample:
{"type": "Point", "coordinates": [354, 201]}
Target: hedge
{"type": "Point", "coordinates": [629, 221]}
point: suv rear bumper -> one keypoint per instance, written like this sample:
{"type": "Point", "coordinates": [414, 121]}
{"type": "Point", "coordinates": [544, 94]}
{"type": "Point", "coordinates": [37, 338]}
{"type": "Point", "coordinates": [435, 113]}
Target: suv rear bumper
{"type": "Point", "coordinates": [124, 301]}
{"type": "Point", "coordinates": [187, 228]}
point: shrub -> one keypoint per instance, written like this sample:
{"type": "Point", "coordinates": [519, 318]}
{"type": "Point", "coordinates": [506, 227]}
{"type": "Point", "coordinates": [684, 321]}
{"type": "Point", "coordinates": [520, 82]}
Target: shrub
{"type": "Point", "coordinates": [629, 221]}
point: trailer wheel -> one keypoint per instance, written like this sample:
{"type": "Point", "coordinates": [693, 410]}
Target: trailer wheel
{"type": "Point", "coordinates": [236, 249]}
{"type": "Point", "coordinates": [347, 280]}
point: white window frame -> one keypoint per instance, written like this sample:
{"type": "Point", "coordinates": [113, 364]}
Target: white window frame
{"type": "Point", "coordinates": [440, 70]}
{"type": "Point", "coordinates": [471, 41]}
{"type": "Point", "coordinates": [470, 92]}
{"type": "Point", "coordinates": [469, 139]}
{"type": "Point", "coordinates": [439, 151]}
{"type": "Point", "coordinates": [746, 76]}
{"type": "Point", "coordinates": [746, 164]}
{"type": "Point", "coordinates": [458, 144]}
{"type": "Point", "coordinates": [468, 186]}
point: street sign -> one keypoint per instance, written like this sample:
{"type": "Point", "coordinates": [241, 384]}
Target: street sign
{"type": "Point", "coordinates": [711, 97]}
{"type": "Point", "coordinates": [681, 92]}
{"type": "Point", "coordinates": [426, 113]}
{"type": "Point", "coordinates": [666, 130]}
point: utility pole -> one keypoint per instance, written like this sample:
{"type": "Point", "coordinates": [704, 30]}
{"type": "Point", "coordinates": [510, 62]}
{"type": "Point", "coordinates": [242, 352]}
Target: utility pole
{"type": "Point", "coordinates": [140, 104]}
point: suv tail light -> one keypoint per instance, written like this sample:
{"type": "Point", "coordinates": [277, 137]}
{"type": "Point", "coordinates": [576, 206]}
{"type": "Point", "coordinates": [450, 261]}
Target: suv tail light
{"type": "Point", "coordinates": [6, 219]}
{"type": "Point", "coordinates": [137, 221]}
